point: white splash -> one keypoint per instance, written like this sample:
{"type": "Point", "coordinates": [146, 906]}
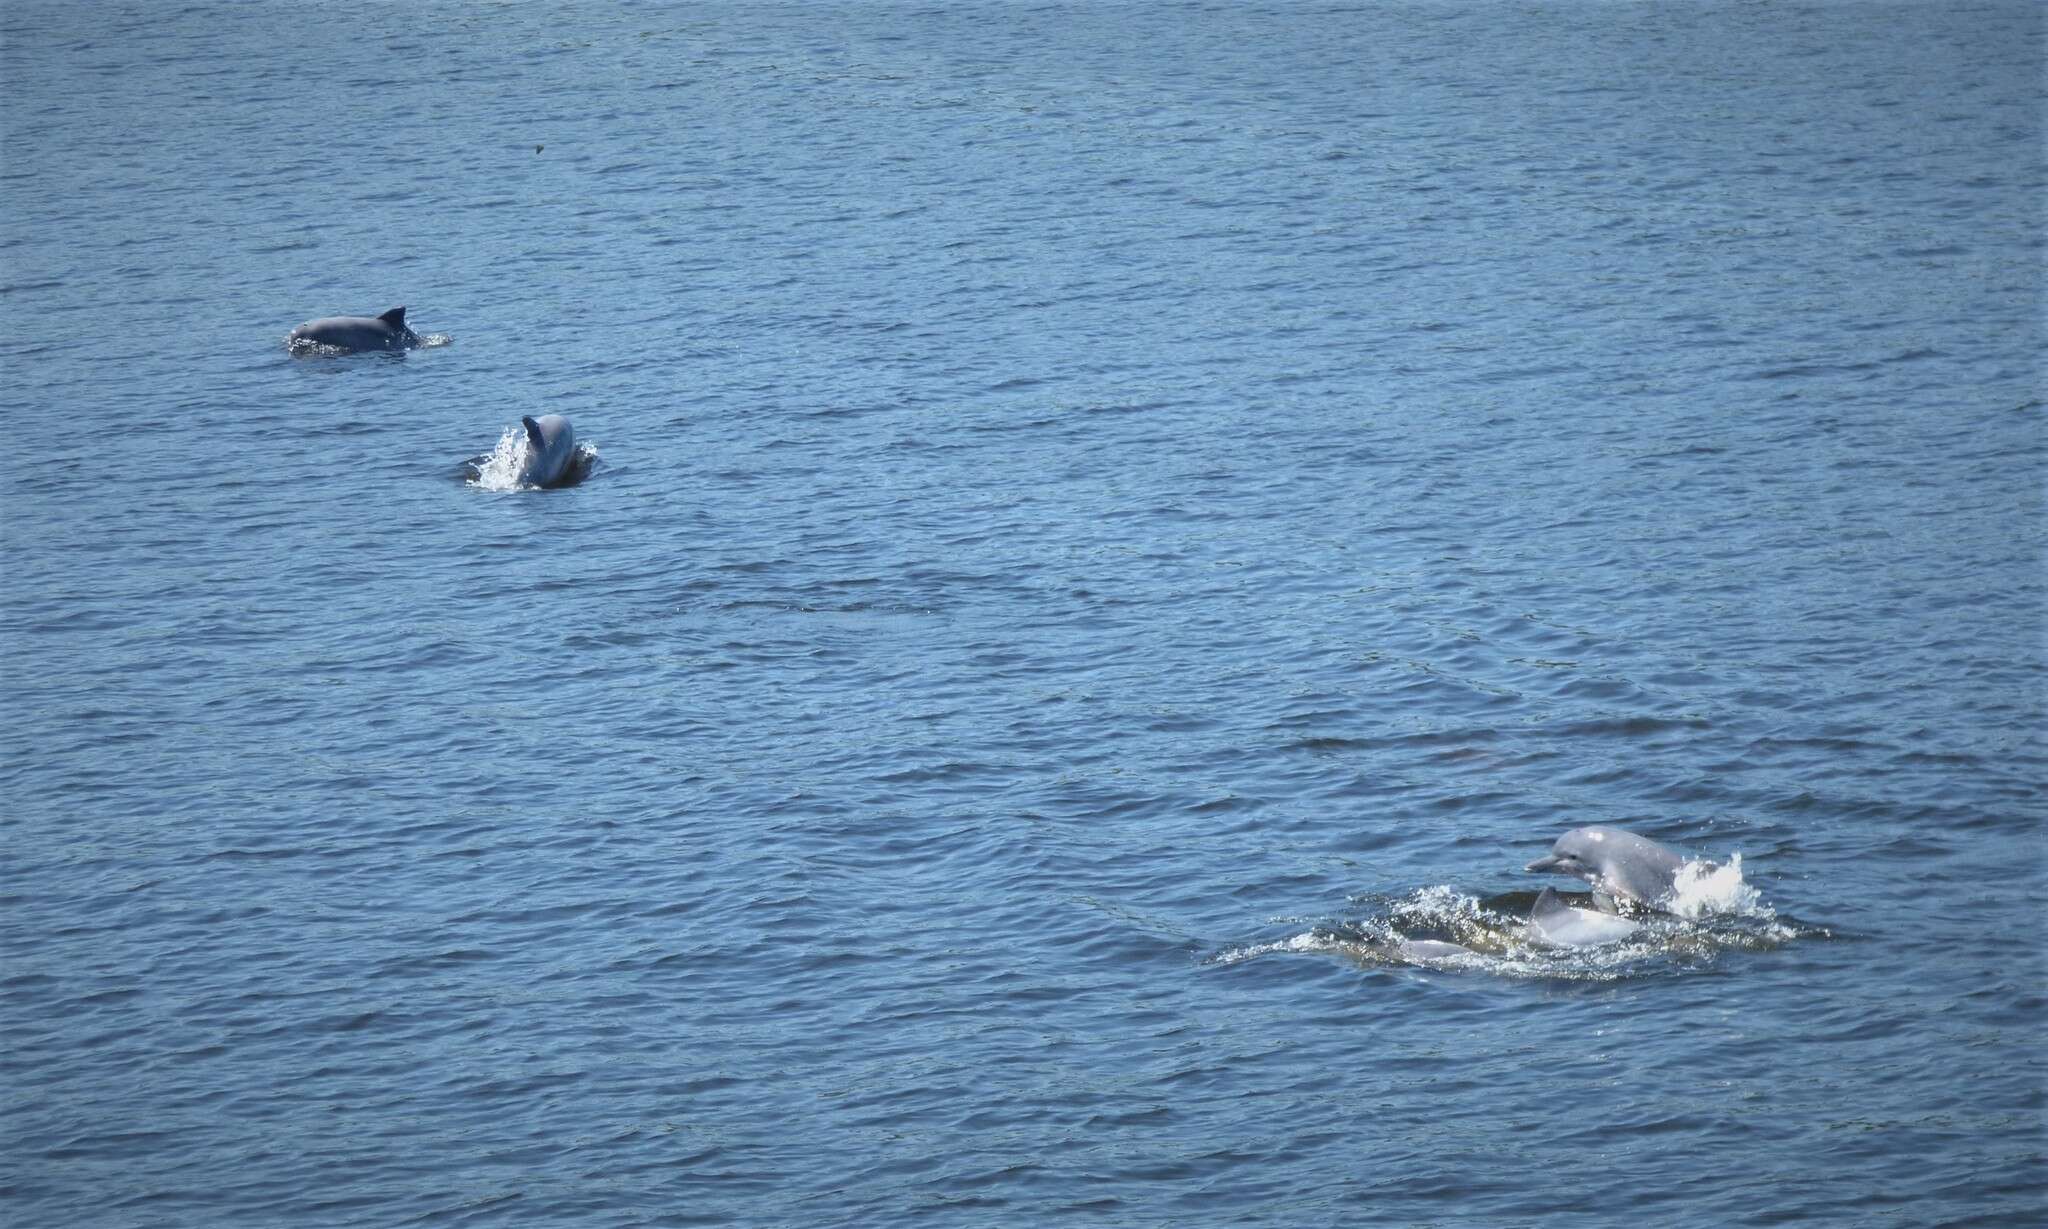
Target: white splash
{"type": "Point", "coordinates": [499, 469]}
{"type": "Point", "coordinates": [1701, 889]}
{"type": "Point", "coordinates": [1440, 906]}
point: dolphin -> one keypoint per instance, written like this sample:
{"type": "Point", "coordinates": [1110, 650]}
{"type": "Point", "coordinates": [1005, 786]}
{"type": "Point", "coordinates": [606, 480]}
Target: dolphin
{"type": "Point", "coordinates": [550, 451]}
{"type": "Point", "coordinates": [1552, 923]}
{"type": "Point", "coordinates": [1619, 865]}
{"type": "Point", "coordinates": [385, 332]}
{"type": "Point", "coordinates": [1429, 949]}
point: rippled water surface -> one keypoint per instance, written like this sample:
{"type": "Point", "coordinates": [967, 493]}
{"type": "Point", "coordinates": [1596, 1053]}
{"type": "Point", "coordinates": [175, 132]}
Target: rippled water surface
{"type": "Point", "coordinates": [1103, 518]}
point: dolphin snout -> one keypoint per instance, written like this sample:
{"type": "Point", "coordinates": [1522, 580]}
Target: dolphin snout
{"type": "Point", "coordinates": [1548, 862]}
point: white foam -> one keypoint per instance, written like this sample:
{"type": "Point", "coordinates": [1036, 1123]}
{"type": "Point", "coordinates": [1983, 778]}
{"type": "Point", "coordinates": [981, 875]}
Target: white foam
{"type": "Point", "coordinates": [1701, 889]}
{"type": "Point", "coordinates": [1439, 905]}
{"type": "Point", "coordinates": [499, 470]}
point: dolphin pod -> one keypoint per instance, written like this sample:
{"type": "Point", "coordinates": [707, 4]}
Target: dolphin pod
{"type": "Point", "coordinates": [355, 333]}
{"type": "Point", "coordinates": [1627, 872]}
{"type": "Point", "coordinates": [1620, 866]}
{"type": "Point", "coordinates": [550, 457]}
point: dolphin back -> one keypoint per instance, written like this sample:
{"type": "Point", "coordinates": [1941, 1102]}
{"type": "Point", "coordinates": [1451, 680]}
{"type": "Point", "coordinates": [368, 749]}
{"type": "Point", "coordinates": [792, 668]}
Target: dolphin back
{"type": "Point", "coordinates": [395, 321]}
{"type": "Point", "coordinates": [385, 332]}
{"type": "Point", "coordinates": [1556, 924]}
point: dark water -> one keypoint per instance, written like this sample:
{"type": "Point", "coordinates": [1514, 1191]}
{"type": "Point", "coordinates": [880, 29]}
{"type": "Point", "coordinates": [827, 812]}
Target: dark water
{"type": "Point", "coordinates": [1101, 514]}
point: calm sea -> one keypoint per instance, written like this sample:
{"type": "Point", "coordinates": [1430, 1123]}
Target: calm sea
{"type": "Point", "coordinates": [1105, 515]}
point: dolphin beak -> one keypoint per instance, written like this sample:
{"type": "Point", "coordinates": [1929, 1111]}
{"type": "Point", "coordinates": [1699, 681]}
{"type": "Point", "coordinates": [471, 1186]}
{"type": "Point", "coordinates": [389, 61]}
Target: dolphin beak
{"type": "Point", "coordinates": [1548, 863]}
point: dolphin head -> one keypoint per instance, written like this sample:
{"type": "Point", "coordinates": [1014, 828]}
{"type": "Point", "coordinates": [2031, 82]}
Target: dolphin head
{"type": "Point", "coordinates": [550, 450]}
{"type": "Point", "coordinates": [1576, 853]}
{"type": "Point", "coordinates": [1618, 864]}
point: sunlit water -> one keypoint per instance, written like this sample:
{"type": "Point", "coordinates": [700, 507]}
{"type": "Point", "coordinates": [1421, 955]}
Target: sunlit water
{"type": "Point", "coordinates": [1110, 519]}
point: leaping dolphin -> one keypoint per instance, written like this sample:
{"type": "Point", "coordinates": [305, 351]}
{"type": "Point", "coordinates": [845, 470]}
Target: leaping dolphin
{"type": "Point", "coordinates": [550, 451]}
{"type": "Point", "coordinates": [1552, 923]}
{"type": "Point", "coordinates": [385, 332]}
{"type": "Point", "coordinates": [1619, 865]}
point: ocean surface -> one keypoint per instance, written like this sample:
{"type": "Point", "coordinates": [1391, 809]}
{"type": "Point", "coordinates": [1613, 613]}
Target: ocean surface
{"type": "Point", "coordinates": [1102, 520]}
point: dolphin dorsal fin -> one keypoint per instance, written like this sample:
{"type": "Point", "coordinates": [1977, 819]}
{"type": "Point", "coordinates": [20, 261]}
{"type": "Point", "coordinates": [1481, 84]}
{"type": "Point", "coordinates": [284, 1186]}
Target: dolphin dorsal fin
{"type": "Point", "coordinates": [1546, 903]}
{"type": "Point", "coordinates": [532, 431]}
{"type": "Point", "coordinates": [395, 317]}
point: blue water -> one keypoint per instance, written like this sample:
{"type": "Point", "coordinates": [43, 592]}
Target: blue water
{"type": "Point", "coordinates": [1102, 515]}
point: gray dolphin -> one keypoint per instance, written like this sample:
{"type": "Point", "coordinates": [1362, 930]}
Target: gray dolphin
{"type": "Point", "coordinates": [1429, 949]}
{"type": "Point", "coordinates": [385, 332]}
{"type": "Point", "coordinates": [1619, 865]}
{"type": "Point", "coordinates": [550, 451]}
{"type": "Point", "coordinates": [1552, 923]}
